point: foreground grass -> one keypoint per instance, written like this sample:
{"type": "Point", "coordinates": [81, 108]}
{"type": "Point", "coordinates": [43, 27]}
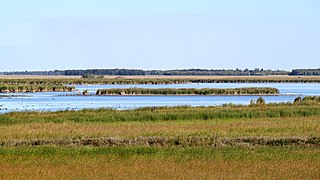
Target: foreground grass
{"type": "Point", "coordinates": [159, 163]}
{"type": "Point", "coordinates": [195, 161]}
{"type": "Point", "coordinates": [266, 127]}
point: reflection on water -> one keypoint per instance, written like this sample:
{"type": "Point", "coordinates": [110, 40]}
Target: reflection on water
{"type": "Point", "coordinates": [53, 101]}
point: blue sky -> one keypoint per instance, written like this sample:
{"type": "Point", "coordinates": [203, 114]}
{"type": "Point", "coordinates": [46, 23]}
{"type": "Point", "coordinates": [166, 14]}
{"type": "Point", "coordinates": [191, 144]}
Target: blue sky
{"type": "Point", "coordinates": [162, 34]}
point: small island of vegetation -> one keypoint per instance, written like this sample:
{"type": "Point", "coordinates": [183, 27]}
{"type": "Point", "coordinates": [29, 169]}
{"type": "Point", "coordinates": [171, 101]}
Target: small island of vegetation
{"type": "Point", "coordinates": [189, 91]}
{"type": "Point", "coordinates": [7, 88]}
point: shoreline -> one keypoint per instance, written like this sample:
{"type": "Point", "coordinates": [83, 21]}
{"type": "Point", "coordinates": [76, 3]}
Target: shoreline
{"type": "Point", "coordinates": [188, 95]}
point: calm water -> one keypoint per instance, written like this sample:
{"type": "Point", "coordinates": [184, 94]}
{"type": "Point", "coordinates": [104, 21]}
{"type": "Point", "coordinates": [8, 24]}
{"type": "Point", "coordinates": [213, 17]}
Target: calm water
{"type": "Point", "coordinates": [59, 101]}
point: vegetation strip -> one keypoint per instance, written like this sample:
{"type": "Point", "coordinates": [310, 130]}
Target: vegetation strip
{"type": "Point", "coordinates": [8, 88]}
{"type": "Point", "coordinates": [189, 91]}
{"type": "Point", "coordinates": [160, 80]}
{"type": "Point", "coordinates": [190, 141]}
{"type": "Point", "coordinates": [164, 114]}
{"type": "Point", "coordinates": [265, 162]}
{"type": "Point", "coordinates": [193, 72]}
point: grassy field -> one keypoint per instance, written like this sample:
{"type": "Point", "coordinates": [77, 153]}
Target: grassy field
{"type": "Point", "coordinates": [244, 127]}
{"type": "Point", "coordinates": [159, 163]}
{"type": "Point", "coordinates": [279, 141]}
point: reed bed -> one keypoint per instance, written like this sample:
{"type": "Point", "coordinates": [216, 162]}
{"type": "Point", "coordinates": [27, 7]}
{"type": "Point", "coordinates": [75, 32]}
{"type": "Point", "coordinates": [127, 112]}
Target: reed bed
{"type": "Point", "coordinates": [9, 88]}
{"type": "Point", "coordinates": [162, 80]}
{"type": "Point", "coordinates": [189, 91]}
{"type": "Point", "coordinates": [165, 114]}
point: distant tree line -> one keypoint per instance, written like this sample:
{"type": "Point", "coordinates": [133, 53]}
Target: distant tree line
{"type": "Point", "coordinates": [181, 72]}
{"type": "Point", "coordinates": [305, 72]}
{"type": "Point", "coordinates": [221, 72]}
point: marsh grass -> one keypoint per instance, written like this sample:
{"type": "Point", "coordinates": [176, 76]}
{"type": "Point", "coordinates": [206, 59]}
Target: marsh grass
{"type": "Point", "coordinates": [161, 80]}
{"type": "Point", "coordinates": [189, 91]}
{"type": "Point", "coordinates": [159, 163]}
{"type": "Point", "coordinates": [265, 127]}
{"type": "Point", "coordinates": [164, 114]}
{"type": "Point", "coordinates": [188, 157]}
{"type": "Point", "coordinates": [33, 88]}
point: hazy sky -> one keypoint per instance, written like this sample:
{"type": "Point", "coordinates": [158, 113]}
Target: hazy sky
{"type": "Point", "coordinates": [159, 34]}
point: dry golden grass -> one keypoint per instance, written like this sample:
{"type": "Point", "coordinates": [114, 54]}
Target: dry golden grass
{"type": "Point", "coordinates": [109, 167]}
{"type": "Point", "coordinates": [271, 127]}
{"type": "Point", "coordinates": [82, 162]}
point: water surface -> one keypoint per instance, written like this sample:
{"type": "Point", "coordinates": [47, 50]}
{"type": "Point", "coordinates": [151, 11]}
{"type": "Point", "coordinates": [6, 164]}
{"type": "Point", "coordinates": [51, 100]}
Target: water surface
{"type": "Point", "coordinates": [53, 101]}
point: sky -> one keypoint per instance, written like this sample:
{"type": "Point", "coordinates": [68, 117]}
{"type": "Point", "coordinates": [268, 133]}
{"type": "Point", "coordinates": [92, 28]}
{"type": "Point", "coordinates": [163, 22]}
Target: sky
{"type": "Point", "coordinates": [159, 34]}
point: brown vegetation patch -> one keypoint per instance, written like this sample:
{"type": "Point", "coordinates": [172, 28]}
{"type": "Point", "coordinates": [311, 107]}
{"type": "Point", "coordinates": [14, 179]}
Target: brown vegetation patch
{"type": "Point", "coordinates": [104, 167]}
{"type": "Point", "coordinates": [271, 127]}
{"type": "Point", "coordinates": [189, 141]}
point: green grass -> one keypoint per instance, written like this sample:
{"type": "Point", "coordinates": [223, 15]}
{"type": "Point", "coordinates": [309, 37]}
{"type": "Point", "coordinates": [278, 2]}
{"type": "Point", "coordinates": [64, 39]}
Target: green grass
{"type": "Point", "coordinates": [224, 128]}
{"type": "Point", "coordinates": [159, 163]}
{"type": "Point", "coordinates": [164, 114]}
{"type": "Point", "coordinates": [255, 141]}
{"type": "Point", "coordinates": [233, 128]}
{"type": "Point", "coordinates": [225, 153]}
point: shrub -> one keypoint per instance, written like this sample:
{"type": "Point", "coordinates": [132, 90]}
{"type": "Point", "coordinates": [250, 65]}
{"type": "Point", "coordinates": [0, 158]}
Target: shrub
{"type": "Point", "coordinates": [298, 100]}
{"type": "Point", "coordinates": [261, 101]}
